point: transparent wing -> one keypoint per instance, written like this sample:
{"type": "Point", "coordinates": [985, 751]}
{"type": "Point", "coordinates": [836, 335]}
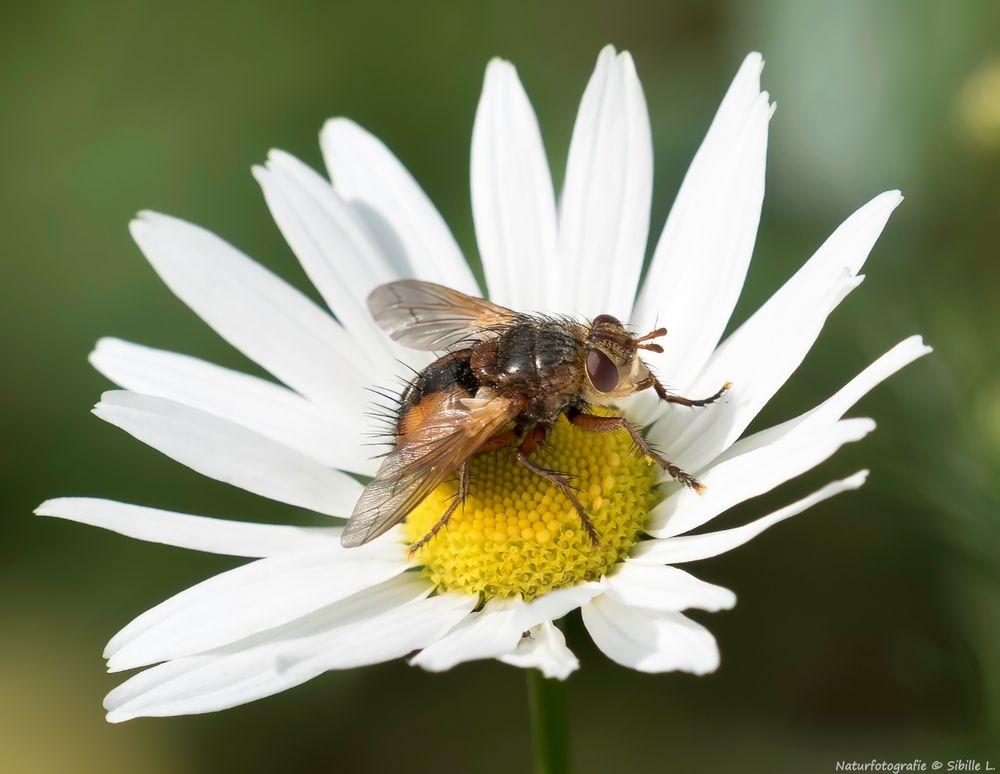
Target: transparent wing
{"type": "Point", "coordinates": [452, 430]}
{"type": "Point", "coordinates": [426, 316]}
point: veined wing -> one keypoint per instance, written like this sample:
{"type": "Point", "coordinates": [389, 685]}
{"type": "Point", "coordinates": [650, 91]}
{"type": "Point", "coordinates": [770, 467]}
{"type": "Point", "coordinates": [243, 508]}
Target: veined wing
{"type": "Point", "coordinates": [452, 430]}
{"type": "Point", "coordinates": [423, 315]}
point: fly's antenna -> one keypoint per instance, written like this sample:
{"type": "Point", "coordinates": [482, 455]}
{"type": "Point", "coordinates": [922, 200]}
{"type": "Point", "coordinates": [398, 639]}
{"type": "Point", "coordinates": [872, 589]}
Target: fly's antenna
{"type": "Point", "coordinates": [643, 342]}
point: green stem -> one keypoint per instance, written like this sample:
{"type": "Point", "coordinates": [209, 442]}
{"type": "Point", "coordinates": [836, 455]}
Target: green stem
{"type": "Point", "coordinates": [547, 705]}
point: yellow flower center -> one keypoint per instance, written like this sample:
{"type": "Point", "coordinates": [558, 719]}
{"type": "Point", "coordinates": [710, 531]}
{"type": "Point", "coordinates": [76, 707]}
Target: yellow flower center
{"type": "Point", "coordinates": [518, 534]}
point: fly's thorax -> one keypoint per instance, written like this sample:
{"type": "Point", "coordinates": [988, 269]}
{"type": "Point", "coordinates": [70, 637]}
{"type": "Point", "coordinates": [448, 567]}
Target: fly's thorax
{"type": "Point", "coordinates": [537, 357]}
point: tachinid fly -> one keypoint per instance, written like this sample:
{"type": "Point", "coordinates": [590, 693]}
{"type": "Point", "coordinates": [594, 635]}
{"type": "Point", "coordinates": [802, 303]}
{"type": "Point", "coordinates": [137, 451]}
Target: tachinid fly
{"type": "Point", "coordinates": [506, 379]}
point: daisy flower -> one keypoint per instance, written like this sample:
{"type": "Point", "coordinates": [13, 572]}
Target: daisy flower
{"type": "Point", "coordinates": [514, 557]}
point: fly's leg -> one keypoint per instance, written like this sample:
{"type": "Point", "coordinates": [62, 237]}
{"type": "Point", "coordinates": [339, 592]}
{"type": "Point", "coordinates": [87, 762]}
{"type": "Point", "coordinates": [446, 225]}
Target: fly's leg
{"type": "Point", "coordinates": [596, 423]}
{"type": "Point", "coordinates": [664, 395]}
{"type": "Point", "coordinates": [498, 442]}
{"type": "Point", "coordinates": [557, 479]}
{"type": "Point", "coordinates": [530, 442]}
{"type": "Point", "coordinates": [457, 500]}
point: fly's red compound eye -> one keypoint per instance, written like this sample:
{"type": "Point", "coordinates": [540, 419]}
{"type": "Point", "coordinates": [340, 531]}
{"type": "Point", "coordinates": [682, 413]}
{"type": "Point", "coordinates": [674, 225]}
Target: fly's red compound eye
{"type": "Point", "coordinates": [602, 372]}
{"type": "Point", "coordinates": [605, 319]}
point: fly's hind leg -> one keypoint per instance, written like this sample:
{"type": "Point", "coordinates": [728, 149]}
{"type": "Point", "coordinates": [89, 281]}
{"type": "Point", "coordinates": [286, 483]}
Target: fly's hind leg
{"type": "Point", "coordinates": [530, 442]}
{"type": "Point", "coordinates": [457, 500]}
{"type": "Point", "coordinates": [598, 424]}
{"type": "Point", "coordinates": [496, 442]}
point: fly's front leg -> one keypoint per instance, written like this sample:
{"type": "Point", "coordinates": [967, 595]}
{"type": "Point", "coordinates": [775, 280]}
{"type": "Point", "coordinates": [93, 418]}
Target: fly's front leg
{"type": "Point", "coordinates": [601, 424]}
{"type": "Point", "coordinates": [529, 443]}
{"type": "Point", "coordinates": [457, 500]}
{"type": "Point", "coordinates": [664, 395]}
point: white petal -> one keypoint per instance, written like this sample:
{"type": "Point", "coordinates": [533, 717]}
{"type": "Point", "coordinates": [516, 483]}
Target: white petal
{"type": "Point", "coordinates": [332, 244]}
{"type": "Point", "coordinates": [230, 453]}
{"type": "Point", "coordinates": [512, 198]}
{"type": "Point", "coordinates": [544, 648]}
{"type": "Point", "coordinates": [338, 253]}
{"type": "Point", "coordinates": [689, 548]}
{"type": "Point", "coordinates": [701, 259]}
{"type": "Point", "coordinates": [250, 599]}
{"type": "Point", "coordinates": [265, 318]}
{"type": "Point", "coordinates": [650, 640]}
{"type": "Point", "coordinates": [377, 625]}
{"type": "Point", "coordinates": [332, 438]}
{"type": "Point", "coordinates": [497, 628]}
{"type": "Point", "coordinates": [758, 471]}
{"type": "Point", "coordinates": [279, 645]}
{"type": "Point", "coordinates": [486, 634]}
{"type": "Point", "coordinates": [604, 210]}
{"type": "Point", "coordinates": [760, 356]}
{"type": "Point", "coordinates": [658, 587]}
{"type": "Point", "coordinates": [400, 217]}
{"type": "Point", "coordinates": [199, 533]}
{"type": "Point", "coordinates": [837, 405]}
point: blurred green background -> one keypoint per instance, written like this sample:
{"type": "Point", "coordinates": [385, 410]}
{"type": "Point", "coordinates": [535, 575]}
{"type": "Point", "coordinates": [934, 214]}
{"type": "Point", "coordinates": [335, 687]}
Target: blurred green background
{"type": "Point", "coordinates": [865, 628]}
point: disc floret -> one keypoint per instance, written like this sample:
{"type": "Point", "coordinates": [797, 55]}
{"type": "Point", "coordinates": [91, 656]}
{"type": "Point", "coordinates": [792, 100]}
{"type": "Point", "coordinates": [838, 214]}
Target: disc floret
{"type": "Point", "coordinates": [517, 534]}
